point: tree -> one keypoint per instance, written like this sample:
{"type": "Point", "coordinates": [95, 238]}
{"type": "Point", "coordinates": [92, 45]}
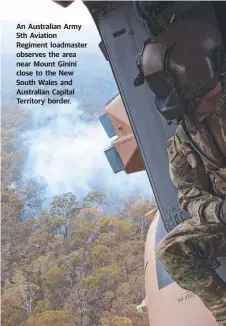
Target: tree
{"type": "Point", "coordinates": [27, 293]}
{"type": "Point", "coordinates": [38, 242]}
{"type": "Point", "coordinates": [82, 233]}
{"type": "Point", "coordinates": [42, 306]}
{"type": "Point", "coordinates": [95, 198]}
{"type": "Point", "coordinates": [80, 302]}
{"type": "Point", "coordinates": [40, 266]}
{"type": "Point", "coordinates": [50, 318]}
{"type": "Point", "coordinates": [14, 231]}
{"type": "Point", "coordinates": [55, 287]}
{"type": "Point", "coordinates": [92, 277]}
{"type": "Point", "coordinates": [138, 216]}
{"type": "Point", "coordinates": [91, 214]}
{"type": "Point", "coordinates": [54, 225]}
{"type": "Point", "coordinates": [12, 312]}
{"type": "Point", "coordinates": [137, 318]}
{"type": "Point", "coordinates": [13, 120]}
{"type": "Point", "coordinates": [100, 255]}
{"type": "Point", "coordinates": [65, 206]}
{"type": "Point", "coordinates": [34, 194]}
{"type": "Point", "coordinates": [107, 319]}
{"type": "Point", "coordinates": [125, 211]}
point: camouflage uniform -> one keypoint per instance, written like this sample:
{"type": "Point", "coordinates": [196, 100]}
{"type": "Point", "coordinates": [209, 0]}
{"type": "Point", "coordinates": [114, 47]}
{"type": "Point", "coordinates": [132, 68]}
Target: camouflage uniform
{"type": "Point", "coordinates": [189, 253]}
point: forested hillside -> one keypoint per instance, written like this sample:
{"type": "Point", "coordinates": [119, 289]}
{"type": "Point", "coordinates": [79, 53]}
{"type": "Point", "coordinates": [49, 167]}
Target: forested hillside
{"type": "Point", "coordinates": [70, 265]}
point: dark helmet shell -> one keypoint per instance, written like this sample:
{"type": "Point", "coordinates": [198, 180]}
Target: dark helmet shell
{"type": "Point", "coordinates": [186, 52]}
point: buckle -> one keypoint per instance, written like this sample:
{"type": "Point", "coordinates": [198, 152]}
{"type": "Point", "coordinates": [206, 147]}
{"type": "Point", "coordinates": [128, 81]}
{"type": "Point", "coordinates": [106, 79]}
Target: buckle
{"type": "Point", "coordinates": [140, 77]}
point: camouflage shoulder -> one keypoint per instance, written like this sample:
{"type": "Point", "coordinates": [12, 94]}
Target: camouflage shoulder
{"type": "Point", "coordinates": [181, 134]}
{"type": "Point", "coordinates": [178, 138]}
{"type": "Point", "coordinates": [174, 144]}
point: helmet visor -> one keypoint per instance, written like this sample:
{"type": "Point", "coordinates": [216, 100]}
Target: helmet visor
{"type": "Point", "coordinates": [159, 84]}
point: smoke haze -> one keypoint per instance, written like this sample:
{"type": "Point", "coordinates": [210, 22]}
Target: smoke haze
{"type": "Point", "coordinates": [69, 153]}
{"type": "Point", "coordinates": [66, 143]}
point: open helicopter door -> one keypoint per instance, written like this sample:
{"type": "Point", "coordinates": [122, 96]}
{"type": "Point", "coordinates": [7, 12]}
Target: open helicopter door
{"type": "Point", "coordinates": [123, 35]}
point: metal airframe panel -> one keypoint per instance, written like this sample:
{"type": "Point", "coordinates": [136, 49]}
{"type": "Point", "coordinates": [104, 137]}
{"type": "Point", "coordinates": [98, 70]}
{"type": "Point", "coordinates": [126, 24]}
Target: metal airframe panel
{"type": "Point", "coordinates": [151, 131]}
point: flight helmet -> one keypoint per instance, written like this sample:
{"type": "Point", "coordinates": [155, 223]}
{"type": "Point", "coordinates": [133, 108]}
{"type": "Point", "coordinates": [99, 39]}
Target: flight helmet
{"type": "Point", "coordinates": [181, 65]}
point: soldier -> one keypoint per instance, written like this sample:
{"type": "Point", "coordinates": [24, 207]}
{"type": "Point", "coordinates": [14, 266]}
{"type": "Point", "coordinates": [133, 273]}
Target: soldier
{"type": "Point", "coordinates": [184, 67]}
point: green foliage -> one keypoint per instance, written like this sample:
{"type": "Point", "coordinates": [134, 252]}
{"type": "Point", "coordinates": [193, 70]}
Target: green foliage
{"type": "Point", "coordinates": [12, 312]}
{"type": "Point", "coordinates": [42, 306]}
{"type": "Point", "coordinates": [95, 198]}
{"type": "Point", "coordinates": [111, 320]}
{"type": "Point", "coordinates": [50, 318]}
{"type": "Point", "coordinates": [91, 275]}
{"type": "Point", "coordinates": [33, 194]}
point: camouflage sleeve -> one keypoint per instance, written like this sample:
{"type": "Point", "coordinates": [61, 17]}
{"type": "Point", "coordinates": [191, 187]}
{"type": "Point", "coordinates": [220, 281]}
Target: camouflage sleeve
{"type": "Point", "coordinates": [188, 175]}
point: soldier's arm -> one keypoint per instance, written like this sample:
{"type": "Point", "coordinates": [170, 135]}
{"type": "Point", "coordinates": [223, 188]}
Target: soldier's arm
{"type": "Point", "coordinates": [188, 175]}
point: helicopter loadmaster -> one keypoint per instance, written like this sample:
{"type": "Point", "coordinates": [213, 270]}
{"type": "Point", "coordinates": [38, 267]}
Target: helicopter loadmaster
{"type": "Point", "coordinates": [184, 66]}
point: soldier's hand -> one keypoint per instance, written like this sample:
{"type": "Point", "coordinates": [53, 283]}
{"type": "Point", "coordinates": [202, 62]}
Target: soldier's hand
{"type": "Point", "coordinates": [222, 212]}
